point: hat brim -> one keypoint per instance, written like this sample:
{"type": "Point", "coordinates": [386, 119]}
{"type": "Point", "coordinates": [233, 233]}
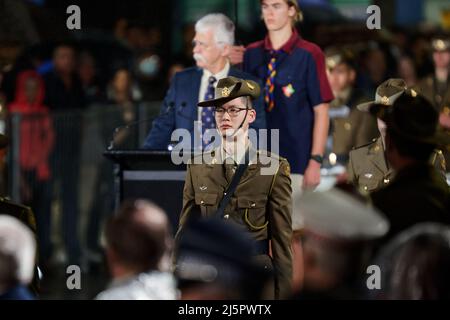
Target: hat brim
{"type": "Point", "coordinates": [365, 107]}
{"type": "Point", "coordinates": [440, 138]}
{"type": "Point", "coordinates": [215, 102]}
{"type": "Point", "coordinates": [376, 109]}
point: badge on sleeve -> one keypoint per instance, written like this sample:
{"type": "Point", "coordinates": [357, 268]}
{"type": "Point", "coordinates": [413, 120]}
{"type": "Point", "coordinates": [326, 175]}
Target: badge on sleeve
{"type": "Point", "coordinates": [287, 170]}
{"type": "Point", "coordinates": [288, 90]}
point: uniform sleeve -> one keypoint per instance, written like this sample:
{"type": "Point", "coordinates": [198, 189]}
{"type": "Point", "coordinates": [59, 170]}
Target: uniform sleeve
{"type": "Point", "coordinates": [318, 87]}
{"type": "Point", "coordinates": [438, 161]}
{"type": "Point", "coordinates": [280, 206]}
{"type": "Point", "coordinates": [188, 200]}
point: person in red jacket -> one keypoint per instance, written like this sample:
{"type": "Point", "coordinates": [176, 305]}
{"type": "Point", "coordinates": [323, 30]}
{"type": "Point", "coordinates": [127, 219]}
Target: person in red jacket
{"type": "Point", "coordinates": [36, 140]}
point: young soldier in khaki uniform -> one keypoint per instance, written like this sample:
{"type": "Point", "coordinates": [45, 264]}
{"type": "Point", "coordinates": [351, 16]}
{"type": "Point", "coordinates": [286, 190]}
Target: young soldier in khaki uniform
{"type": "Point", "coordinates": [436, 87]}
{"type": "Point", "coordinates": [349, 127]}
{"type": "Point", "coordinates": [368, 168]}
{"type": "Point", "coordinates": [417, 193]}
{"type": "Point", "coordinates": [261, 204]}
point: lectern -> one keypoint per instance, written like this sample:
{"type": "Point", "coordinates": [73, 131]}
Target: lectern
{"type": "Point", "coordinates": [149, 175]}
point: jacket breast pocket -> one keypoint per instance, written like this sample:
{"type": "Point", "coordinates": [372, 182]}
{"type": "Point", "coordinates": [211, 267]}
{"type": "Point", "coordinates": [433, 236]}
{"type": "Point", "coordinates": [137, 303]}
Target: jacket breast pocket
{"type": "Point", "coordinates": [207, 203]}
{"type": "Point", "coordinates": [368, 184]}
{"type": "Point", "coordinates": [253, 211]}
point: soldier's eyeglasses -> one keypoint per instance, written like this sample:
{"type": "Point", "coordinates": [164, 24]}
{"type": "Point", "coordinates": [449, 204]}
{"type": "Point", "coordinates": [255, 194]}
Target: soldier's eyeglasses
{"type": "Point", "coordinates": [233, 112]}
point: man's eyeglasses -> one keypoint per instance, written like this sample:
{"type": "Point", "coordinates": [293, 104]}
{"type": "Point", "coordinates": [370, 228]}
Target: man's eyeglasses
{"type": "Point", "coordinates": [233, 112]}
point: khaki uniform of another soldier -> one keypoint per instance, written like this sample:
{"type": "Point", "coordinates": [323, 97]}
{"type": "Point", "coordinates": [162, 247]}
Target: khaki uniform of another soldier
{"type": "Point", "coordinates": [350, 130]}
{"type": "Point", "coordinates": [349, 127]}
{"type": "Point", "coordinates": [437, 92]}
{"type": "Point", "coordinates": [261, 206]}
{"type": "Point", "coordinates": [369, 170]}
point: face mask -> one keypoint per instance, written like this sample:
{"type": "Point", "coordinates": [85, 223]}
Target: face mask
{"type": "Point", "coordinates": [149, 66]}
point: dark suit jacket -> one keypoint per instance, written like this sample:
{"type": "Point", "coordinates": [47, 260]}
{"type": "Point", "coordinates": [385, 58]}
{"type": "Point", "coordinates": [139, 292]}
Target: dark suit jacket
{"type": "Point", "coordinates": [179, 109]}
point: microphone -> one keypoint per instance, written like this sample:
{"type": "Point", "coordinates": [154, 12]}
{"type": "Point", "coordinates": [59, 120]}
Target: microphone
{"type": "Point", "coordinates": [169, 108]}
{"type": "Point", "coordinates": [124, 127]}
{"type": "Point", "coordinates": [182, 114]}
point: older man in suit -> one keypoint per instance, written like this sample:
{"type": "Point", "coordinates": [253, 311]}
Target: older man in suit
{"type": "Point", "coordinates": [214, 35]}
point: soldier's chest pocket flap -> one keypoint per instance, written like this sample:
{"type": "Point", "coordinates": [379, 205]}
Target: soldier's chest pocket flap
{"type": "Point", "coordinates": [251, 203]}
{"type": "Point", "coordinates": [254, 211]}
{"type": "Point", "coordinates": [206, 199]}
{"type": "Point", "coordinates": [369, 183]}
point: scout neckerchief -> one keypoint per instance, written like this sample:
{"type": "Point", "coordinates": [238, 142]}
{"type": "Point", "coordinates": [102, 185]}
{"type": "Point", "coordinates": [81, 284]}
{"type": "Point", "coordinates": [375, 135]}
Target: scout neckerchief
{"type": "Point", "coordinates": [269, 88]}
{"type": "Point", "coordinates": [270, 81]}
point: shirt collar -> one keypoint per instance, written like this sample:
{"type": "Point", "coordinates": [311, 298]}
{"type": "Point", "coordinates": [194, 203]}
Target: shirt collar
{"type": "Point", "coordinates": [219, 75]}
{"type": "Point", "coordinates": [288, 47]}
{"type": "Point", "coordinates": [224, 155]}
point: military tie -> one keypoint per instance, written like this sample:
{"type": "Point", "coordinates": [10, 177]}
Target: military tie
{"type": "Point", "coordinates": [230, 169]}
{"type": "Point", "coordinates": [208, 112]}
{"type": "Point", "coordinates": [270, 81]}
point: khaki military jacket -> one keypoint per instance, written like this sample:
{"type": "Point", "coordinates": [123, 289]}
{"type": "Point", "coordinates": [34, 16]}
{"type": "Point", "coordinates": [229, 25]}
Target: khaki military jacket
{"type": "Point", "coordinates": [261, 205]}
{"type": "Point", "coordinates": [368, 168]}
{"type": "Point", "coordinates": [440, 101]}
{"type": "Point", "coordinates": [350, 128]}
{"type": "Point", "coordinates": [427, 88]}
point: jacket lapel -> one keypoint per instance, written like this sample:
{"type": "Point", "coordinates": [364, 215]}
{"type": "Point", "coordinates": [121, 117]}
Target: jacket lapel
{"type": "Point", "coordinates": [215, 169]}
{"type": "Point", "coordinates": [195, 90]}
{"type": "Point", "coordinates": [376, 156]}
{"type": "Point", "coordinates": [249, 172]}
{"type": "Point", "coordinates": [253, 167]}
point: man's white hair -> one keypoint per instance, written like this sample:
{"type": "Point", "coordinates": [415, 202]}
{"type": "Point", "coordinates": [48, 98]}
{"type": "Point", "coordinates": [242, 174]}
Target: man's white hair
{"type": "Point", "coordinates": [17, 246]}
{"type": "Point", "coordinates": [220, 25]}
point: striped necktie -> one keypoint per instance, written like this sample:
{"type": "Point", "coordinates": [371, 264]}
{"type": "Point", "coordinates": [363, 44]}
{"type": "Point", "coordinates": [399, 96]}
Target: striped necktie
{"type": "Point", "coordinates": [208, 112]}
{"type": "Point", "coordinates": [270, 81]}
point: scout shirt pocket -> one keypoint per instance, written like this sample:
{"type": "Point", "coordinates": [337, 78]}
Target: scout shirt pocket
{"type": "Point", "coordinates": [253, 210]}
{"type": "Point", "coordinates": [207, 203]}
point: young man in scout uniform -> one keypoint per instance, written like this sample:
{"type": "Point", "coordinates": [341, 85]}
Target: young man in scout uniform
{"type": "Point", "coordinates": [368, 168]}
{"type": "Point", "coordinates": [349, 127]}
{"type": "Point", "coordinates": [436, 87]}
{"type": "Point", "coordinates": [296, 92]}
{"type": "Point", "coordinates": [261, 203]}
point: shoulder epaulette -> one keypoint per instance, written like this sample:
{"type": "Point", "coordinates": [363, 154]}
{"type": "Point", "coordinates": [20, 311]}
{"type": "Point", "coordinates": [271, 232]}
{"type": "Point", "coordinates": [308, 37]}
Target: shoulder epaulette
{"type": "Point", "coordinates": [365, 145]}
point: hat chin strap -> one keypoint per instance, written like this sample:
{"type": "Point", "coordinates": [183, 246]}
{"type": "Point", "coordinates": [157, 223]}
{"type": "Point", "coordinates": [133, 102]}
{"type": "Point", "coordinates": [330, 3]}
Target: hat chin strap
{"type": "Point", "coordinates": [242, 123]}
{"type": "Point", "coordinates": [240, 126]}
